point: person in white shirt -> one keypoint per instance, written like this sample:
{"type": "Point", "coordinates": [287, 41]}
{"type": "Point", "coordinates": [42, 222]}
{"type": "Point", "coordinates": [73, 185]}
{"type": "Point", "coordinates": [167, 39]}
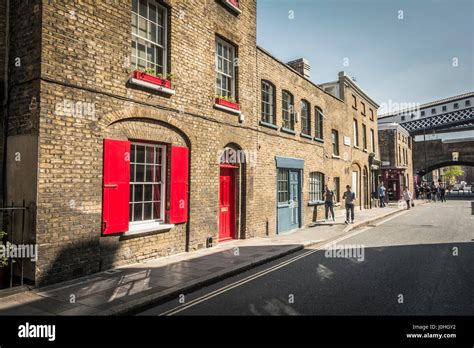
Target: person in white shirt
{"type": "Point", "coordinates": [407, 196]}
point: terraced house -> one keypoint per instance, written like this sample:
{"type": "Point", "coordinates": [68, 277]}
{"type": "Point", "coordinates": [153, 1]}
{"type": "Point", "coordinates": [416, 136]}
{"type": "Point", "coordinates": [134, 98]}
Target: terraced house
{"type": "Point", "coordinates": [142, 128]}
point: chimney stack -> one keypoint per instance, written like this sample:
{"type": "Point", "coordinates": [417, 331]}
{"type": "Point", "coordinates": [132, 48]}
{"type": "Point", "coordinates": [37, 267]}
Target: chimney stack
{"type": "Point", "coordinates": [302, 66]}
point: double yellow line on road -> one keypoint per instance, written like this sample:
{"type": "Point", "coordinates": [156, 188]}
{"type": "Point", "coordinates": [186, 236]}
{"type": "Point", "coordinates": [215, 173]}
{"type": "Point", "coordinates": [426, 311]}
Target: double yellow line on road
{"type": "Point", "coordinates": [259, 274]}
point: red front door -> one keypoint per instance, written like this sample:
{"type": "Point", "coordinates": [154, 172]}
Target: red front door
{"type": "Point", "coordinates": [227, 204]}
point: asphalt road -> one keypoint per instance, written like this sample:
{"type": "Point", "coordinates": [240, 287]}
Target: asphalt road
{"type": "Point", "coordinates": [420, 262]}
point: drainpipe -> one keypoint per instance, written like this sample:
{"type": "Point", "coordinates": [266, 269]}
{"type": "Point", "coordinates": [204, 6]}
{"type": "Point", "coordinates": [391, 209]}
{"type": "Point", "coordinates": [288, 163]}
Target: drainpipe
{"type": "Point", "coordinates": [6, 97]}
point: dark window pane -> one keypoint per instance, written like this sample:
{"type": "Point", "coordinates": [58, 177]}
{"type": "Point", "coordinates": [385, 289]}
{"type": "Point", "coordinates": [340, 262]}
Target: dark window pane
{"type": "Point", "coordinates": [137, 212]}
{"type": "Point", "coordinates": [148, 193]}
{"type": "Point", "coordinates": [143, 8]}
{"type": "Point", "coordinates": [140, 154]}
{"type": "Point", "coordinates": [157, 210]}
{"type": "Point", "coordinates": [152, 15]}
{"type": "Point", "coordinates": [138, 193]}
{"type": "Point", "coordinates": [150, 154]}
{"type": "Point", "coordinates": [132, 173]}
{"type": "Point", "coordinates": [149, 174]}
{"type": "Point", "coordinates": [140, 173]}
{"type": "Point", "coordinates": [147, 211]}
{"type": "Point", "coordinates": [157, 192]}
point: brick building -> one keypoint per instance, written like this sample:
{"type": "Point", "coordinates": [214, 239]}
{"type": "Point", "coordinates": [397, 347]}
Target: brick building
{"type": "Point", "coordinates": [138, 129]}
{"type": "Point", "coordinates": [396, 146]}
{"type": "Point", "coordinates": [364, 135]}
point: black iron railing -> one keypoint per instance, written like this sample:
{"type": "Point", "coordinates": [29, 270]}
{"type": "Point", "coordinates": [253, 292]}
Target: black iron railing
{"type": "Point", "coordinates": [14, 224]}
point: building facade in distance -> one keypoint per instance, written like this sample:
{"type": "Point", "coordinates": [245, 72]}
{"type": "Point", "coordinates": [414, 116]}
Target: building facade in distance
{"type": "Point", "coordinates": [396, 146]}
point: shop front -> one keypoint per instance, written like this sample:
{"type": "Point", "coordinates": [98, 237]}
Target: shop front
{"type": "Point", "coordinates": [394, 180]}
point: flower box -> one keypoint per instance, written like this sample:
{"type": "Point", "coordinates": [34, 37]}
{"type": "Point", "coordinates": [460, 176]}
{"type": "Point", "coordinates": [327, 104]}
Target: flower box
{"type": "Point", "coordinates": [227, 104]}
{"type": "Point", "coordinates": [233, 5]}
{"type": "Point", "coordinates": [140, 75]}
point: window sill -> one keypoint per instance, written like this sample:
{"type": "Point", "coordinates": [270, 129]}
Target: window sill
{"type": "Point", "coordinates": [269, 125]}
{"type": "Point", "coordinates": [319, 140]}
{"type": "Point", "coordinates": [225, 108]}
{"type": "Point", "coordinates": [365, 150]}
{"type": "Point", "coordinates": [357, 147]}
{"type": "Point", "coordinates": [336, 156]}
{"type": "Point", "coordinates": [307, 136]}
{"type": "Point", "coordinates": [149, 85]}
{"type": "Point", "coordinates": [146, 228]}
{"type": "Point", "coordinates": [312, 204]}
{"type": "Point", "coordinates": [287, 130]}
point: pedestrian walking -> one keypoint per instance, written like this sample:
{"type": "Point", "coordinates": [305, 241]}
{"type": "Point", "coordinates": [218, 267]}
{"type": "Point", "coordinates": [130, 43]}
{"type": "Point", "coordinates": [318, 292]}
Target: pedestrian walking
{"type": "Point", "coordinates": [407, 196]}
{"type": "Point", "coordinates": [349, 198]}
{"type": "Point", "coordinates": [434, 191]}
{"type": "Point", "coordinates": [427, 192]}
{"type": "Point", "coordinates": [382, 191]}
{"type": "Point", "coordinates": [442, 193]}
{"type": "Point", "coordinates": [417, 192]}
{"type": "Point", "coordinates": [329, 198]}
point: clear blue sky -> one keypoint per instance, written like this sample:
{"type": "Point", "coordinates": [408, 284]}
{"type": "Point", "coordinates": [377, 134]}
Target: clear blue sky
{"type": "Point", "coordinates": [403, 60]}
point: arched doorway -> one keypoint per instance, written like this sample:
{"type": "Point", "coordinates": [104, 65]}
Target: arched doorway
{"type": "Point", "coordinates": [232, 163]}
{"type": "Point", "coordinates": [365, 181]}
{"type": "Point", "coordinates": [355, 183]}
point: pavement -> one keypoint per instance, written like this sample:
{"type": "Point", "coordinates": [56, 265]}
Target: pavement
{"type": "Point", "coordinates": [419, 262]}
{"type": "Point", "coordinates": [130, 288]}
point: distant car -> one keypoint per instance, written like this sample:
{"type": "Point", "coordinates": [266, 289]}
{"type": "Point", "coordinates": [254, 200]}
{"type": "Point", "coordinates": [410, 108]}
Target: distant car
{"type": "Point", "coordinates": [457, 187]}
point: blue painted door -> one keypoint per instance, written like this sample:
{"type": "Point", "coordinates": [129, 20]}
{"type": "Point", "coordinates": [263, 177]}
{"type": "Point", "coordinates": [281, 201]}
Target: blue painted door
{"type": "Point", "coordinates": [289, 207]}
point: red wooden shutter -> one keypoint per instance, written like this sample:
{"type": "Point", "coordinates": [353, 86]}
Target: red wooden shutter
{"type": "Point", "coordinates": [178, 212]}
{"type": "Point", "coordinates": [116, 193]}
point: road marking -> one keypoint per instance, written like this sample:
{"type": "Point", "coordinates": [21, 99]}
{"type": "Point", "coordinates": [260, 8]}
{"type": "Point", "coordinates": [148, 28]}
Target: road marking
{"type": "Point", "coordinates": [259, 274]}
{"type": "Point", "coordinates": [391, 218]}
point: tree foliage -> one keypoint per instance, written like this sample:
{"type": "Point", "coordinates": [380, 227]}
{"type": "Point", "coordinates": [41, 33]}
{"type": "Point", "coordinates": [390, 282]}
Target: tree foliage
{"type": "Point", "coordinates": [452, 174]}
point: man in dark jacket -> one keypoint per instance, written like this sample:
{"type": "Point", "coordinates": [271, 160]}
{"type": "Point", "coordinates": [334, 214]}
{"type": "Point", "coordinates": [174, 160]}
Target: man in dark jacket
{"type": "Point", "coordinates": [349, 198]}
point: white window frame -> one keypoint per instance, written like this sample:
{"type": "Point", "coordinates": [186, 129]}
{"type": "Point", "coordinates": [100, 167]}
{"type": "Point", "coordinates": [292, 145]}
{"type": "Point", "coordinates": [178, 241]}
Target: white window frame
{"type": "Point", "coordinates": [306, 120]}
{"type": "Point", "coordinates": [163, 182]}
{"type": "Point", "coordinates": [283, 180]}
{"type": "Point", "coordinates": [319, 123]}
{"type": "Point", "coordinates": [316, 185]}
{"type": "Point", "coordinates": [355, 125]}
{"type": "Point", "coordinates": [335, 141]}
{"type": "Point", "coordinates": [230, 61]}
{"type": "Point", "coordinates": [288, 109]}
{"type": "Point", "coordinates": [268, 107]}
{"type": "Point", "coordinates": [372, 140]}
{"type": "Point", "coordinates": [136, 36]}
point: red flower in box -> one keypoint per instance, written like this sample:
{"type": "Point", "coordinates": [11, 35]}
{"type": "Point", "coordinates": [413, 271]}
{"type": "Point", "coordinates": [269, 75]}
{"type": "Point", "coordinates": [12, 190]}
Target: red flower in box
{"type": "Point", "coordinates": [143, 76]}
{"type": "Point", "coordinates": [227, 103]}
{"type": "Point", "coordinates": [234, 3]}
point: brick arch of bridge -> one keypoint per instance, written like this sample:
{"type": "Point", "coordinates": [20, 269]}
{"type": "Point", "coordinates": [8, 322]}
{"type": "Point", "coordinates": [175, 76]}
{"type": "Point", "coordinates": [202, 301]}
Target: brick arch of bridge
{"type": "Point", "coordinates": [434, 154]}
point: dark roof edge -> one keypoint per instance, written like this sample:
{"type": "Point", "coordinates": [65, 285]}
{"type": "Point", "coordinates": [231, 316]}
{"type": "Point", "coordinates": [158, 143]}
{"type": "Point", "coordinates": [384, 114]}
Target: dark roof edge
{"type": "Point", "coordinates": [297, 73]}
